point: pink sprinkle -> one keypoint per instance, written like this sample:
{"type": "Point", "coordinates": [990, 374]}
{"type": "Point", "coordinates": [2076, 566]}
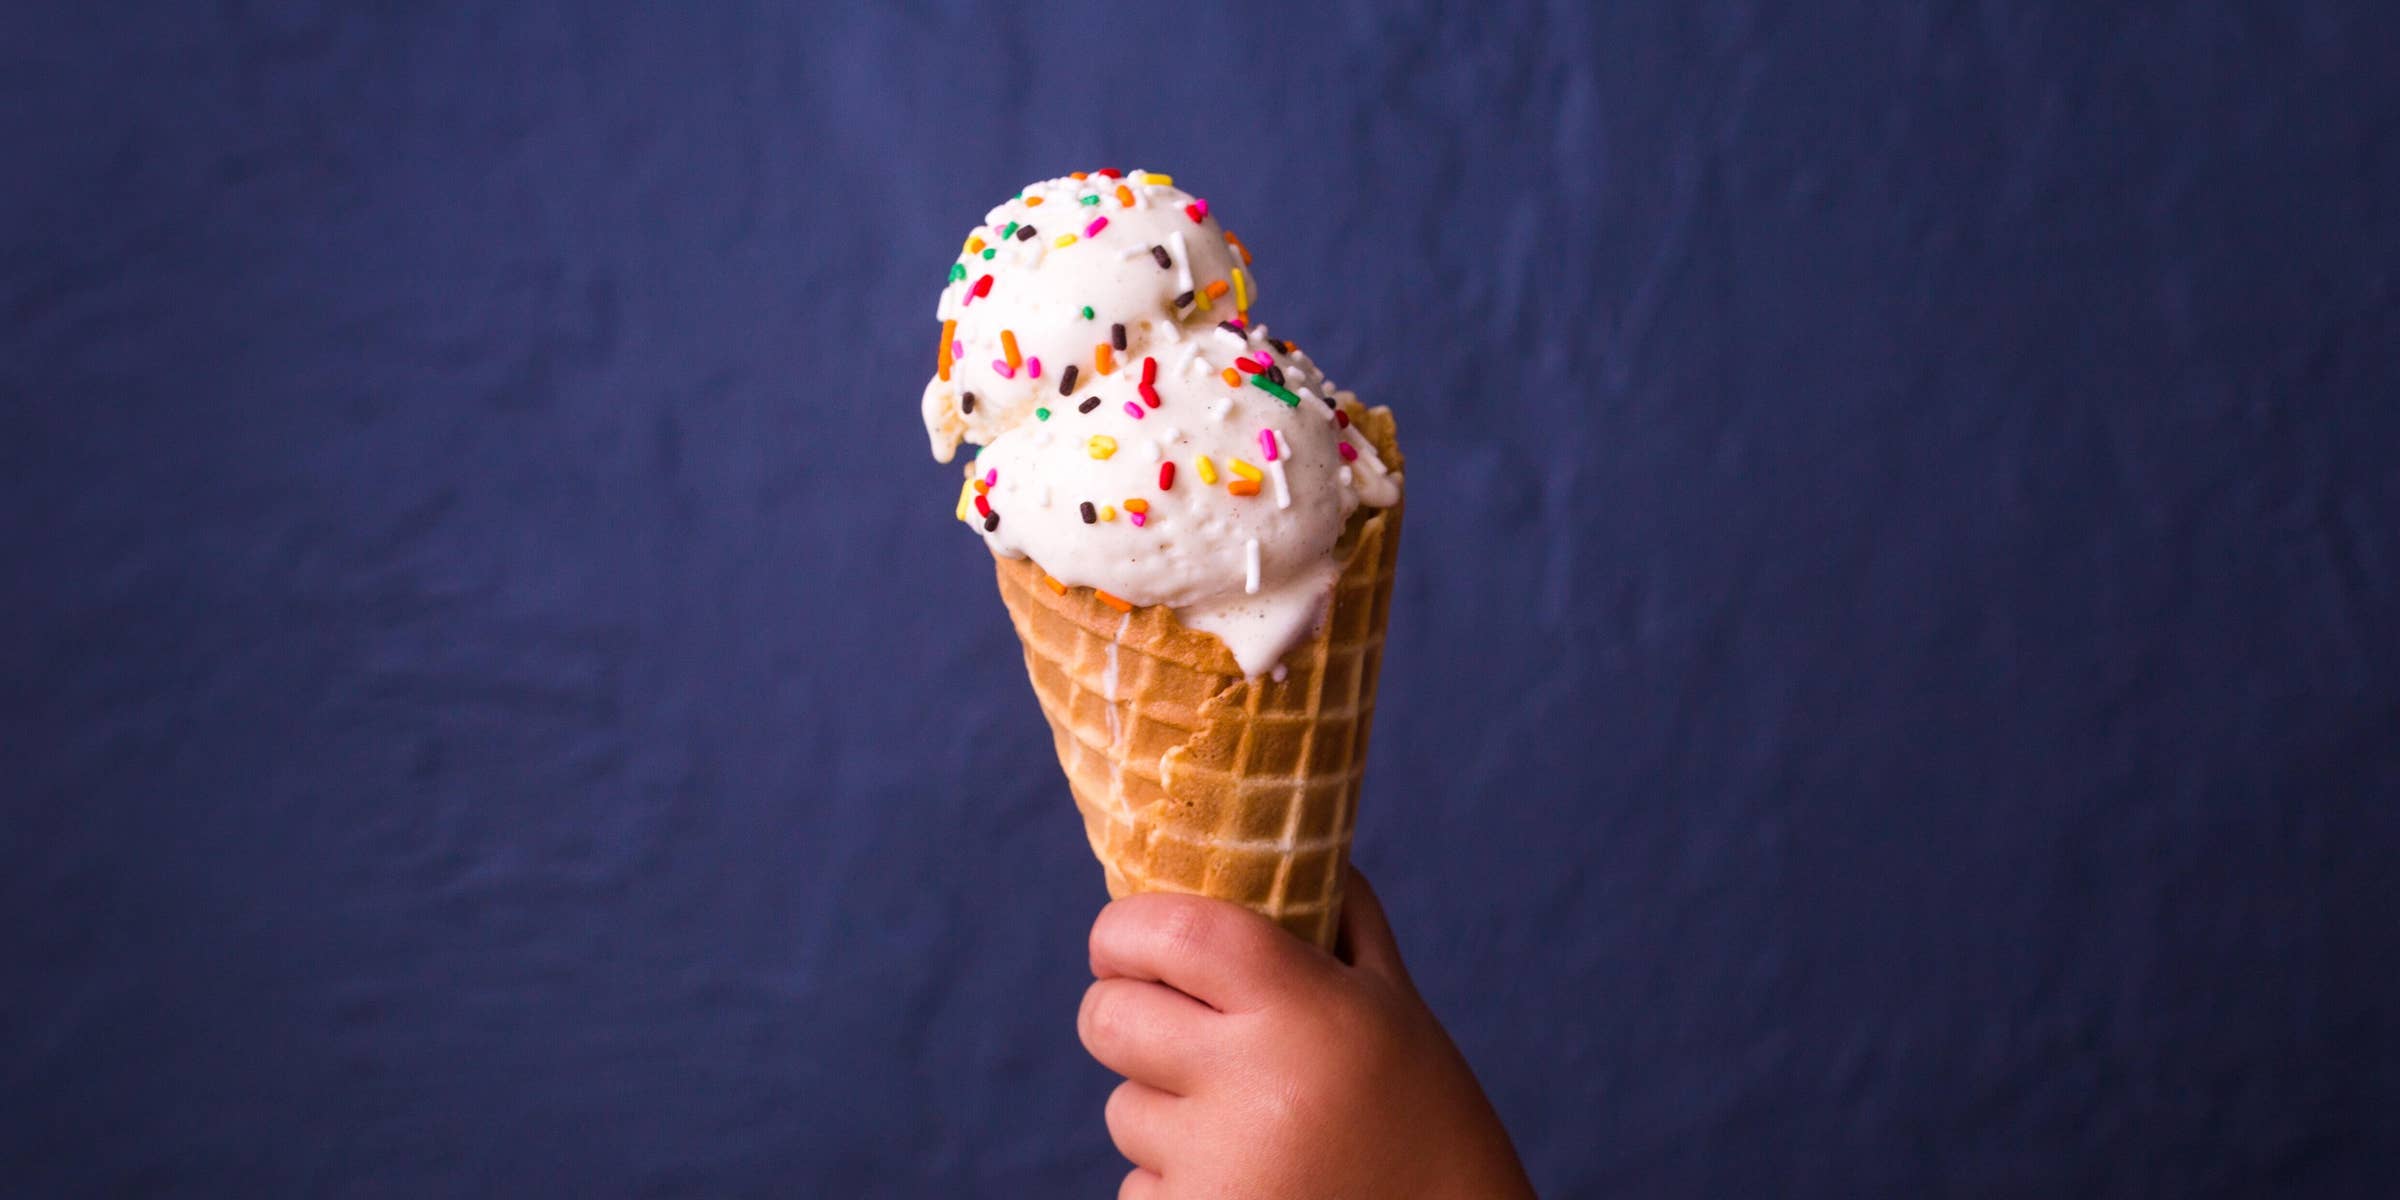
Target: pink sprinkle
{"type": "Point", "coordinates": [1135, 409]}
{"type": "Point", "coordinates": [1033, 368]}
{"type": "Point", "coordinates": [1266, 443]}
{"type": "Point", "coordinates": [1006, 371]}
{"type": "Point", "coordinates": [991, 477]}
{"type": "Point", "coordinates": [1093, 229]}
{"type": "Point", "coordinates": [1240, 322]}
{"type": "Point", "coordinates": [1348, 454]}
{"type": "Point", "coordinates": [1139, 519]}
{"type": "Point", "coordinates": [958, 349]}
{"type": "Point", "coordinates": [1202, 205]}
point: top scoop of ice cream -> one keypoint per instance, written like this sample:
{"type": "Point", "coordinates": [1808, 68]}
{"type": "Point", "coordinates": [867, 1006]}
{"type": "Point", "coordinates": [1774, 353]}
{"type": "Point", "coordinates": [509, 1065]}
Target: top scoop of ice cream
{"type": "Point", "coordinates": [1141, 434]}
{"type": "Point", "coordinates": [1066, 267]}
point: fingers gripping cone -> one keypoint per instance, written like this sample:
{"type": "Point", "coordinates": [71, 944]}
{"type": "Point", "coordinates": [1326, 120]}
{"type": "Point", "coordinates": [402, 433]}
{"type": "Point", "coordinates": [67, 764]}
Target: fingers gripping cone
{"type": "Point", "coordinates": [1191, 778]}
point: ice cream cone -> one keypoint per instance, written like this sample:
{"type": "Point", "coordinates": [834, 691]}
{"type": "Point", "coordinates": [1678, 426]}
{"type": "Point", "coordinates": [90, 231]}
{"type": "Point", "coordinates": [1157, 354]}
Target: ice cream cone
{"type": "Point", "coordinates": [1192, 778]}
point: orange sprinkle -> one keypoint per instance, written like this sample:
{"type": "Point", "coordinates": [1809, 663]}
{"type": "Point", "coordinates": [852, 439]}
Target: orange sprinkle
{"type": "Point", "coordinates": [1080, 175]}
{"type": "Point", "coordinates": [1008, 347]}
{"type": "Point", "coordinates": [974, 245]}
{"type": "Point", "coordinates": [1124, 196]}
{"type": "Point", "coordinates": [1054, 585]}
{"type": "Point", "coordinates": [949, 331]}
{"type": "Point", "coordinates": [1104, 357]}
{"type": "Point", "coordinates": [1137, 504]}
{"type": "Point", "coordinates": [1036, 202]}
{"type": "Point", "coordinates": [981, 487]}
{"type": "Point", "coordinates": [1243, 487]}
{"type": "Point", "coordinates": [1233, 378]}
{"type": "Point", "coordinates": [1237, 244]}
{"type": "Point", "coordinates": [1216, 289]}
{"type": "Point", "coordinates": [1112, 601]}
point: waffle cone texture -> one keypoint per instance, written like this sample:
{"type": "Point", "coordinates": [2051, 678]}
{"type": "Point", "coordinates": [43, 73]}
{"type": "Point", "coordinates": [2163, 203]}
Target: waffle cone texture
{"type": "Point", "coordinates": [1191, 778]}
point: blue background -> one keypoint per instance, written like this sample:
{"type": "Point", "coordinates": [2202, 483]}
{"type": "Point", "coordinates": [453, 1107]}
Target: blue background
{"type": "Point", "coordinates": [1893, 679]}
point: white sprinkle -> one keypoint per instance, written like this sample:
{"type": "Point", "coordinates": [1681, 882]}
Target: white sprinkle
{"type": "Point", "coordinates": [1250, 567]}
{"type": "Point", "coordinates": [1187, 358]}
{"type": "Point", "coordinates": [1150, 452]}
{"type": "Point", "coordinates": [1279, 672]}
{"type": "Point", "coordinates": [1233, 337]}
{"type": "Point", "coordinates": [1132, 252]}
{"type": "Point", "coordinates": [1218, 407]}
{"type": "Point", "coordinates": [1283, 486]}
{"type": "Point", "coordinates": [1306, 394]}
{"type": "Point", "coordinates": [1183, 264]}
{"type": "Point", "coordinates": [1345, 476]}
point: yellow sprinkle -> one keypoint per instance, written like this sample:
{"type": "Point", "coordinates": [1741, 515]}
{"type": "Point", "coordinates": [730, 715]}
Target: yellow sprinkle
{"type": "Point", "coordinates": [1202, 298]}
{"type": "Point", "coordinates": [1137, 505]}
{"type": "Point", "coordinates": [966, 499]}
{"type": "Point", "coordinates": [1156, 179]}
{"type": "Point", "coordinates": [1064, 240]}
{"type": "Point", "coordinates": [1241, 290]}
{"type": "Point", "coordinates": [1107, 513]}
{"type": "Point", "coordinates": [1208, 471]}
{"type": "Point", "coordinates": [1102, 445]}
{"type": "Point", "coordinates": [1246, 471]}
{"type": "Point", "coordinates": [974, 245]}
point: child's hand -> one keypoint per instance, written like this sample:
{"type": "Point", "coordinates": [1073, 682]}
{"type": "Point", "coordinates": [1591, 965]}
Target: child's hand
{"type": "Point", "coordinates": [1257, 1065]}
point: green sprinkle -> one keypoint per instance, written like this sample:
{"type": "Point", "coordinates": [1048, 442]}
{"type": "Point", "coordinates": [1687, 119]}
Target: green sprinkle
{"type": "Point", "coordinates": [1041, 414]}
{"type": "Point", "coordinates": [1091, 200]}
{"type": "Point", "coordinates": [1009, 232]}
{"type": "Point", "coordinates": [1276, 390]}
{"type": "Point", "coordinates": [958, 271]}
{"type": "Point", "coordinates": [1087, 312]}
{"type": "Point", "coordinates": [994, 250]}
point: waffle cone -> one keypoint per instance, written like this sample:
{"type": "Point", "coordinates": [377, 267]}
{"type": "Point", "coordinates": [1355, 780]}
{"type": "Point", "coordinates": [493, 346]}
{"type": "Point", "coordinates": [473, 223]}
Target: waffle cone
{"type": "Point", "coordinates": [1191, 778]}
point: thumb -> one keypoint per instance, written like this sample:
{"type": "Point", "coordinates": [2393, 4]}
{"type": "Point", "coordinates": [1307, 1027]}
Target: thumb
{"type": "Point", "coordinates": [1366, 939]}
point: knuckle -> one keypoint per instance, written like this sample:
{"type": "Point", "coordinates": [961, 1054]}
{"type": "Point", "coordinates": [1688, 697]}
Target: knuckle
{"type": "Point", "coordinates": [1105, 1018]}
{"type": "Point", "coordinates": [1188, 927]}
{"type": "Point", "coordinates": [1118, 1113]}
{"type": "Point", "coordinates": [1088, 1017]}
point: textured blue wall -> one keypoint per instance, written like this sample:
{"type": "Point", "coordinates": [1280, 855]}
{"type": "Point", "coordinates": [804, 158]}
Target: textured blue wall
{"type": "Point", "coordinates": [1893, 689]}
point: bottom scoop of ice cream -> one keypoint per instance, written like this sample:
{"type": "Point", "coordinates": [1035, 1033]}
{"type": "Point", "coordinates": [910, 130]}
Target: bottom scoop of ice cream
{"type": "Point", "coordinates": [1224, 500]}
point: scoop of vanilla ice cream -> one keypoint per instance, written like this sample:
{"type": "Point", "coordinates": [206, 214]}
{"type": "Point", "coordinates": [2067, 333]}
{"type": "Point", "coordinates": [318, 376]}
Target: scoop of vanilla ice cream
{"type": "Point", "coordinates": [1224, 501]}
{"type": "Point", "coordinates": [1066, 267]}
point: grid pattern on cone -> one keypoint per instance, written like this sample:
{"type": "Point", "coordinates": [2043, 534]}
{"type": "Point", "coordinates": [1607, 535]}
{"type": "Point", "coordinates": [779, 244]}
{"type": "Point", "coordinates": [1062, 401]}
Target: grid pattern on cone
{"type": "Point", "coordinates": [1193, 779]}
